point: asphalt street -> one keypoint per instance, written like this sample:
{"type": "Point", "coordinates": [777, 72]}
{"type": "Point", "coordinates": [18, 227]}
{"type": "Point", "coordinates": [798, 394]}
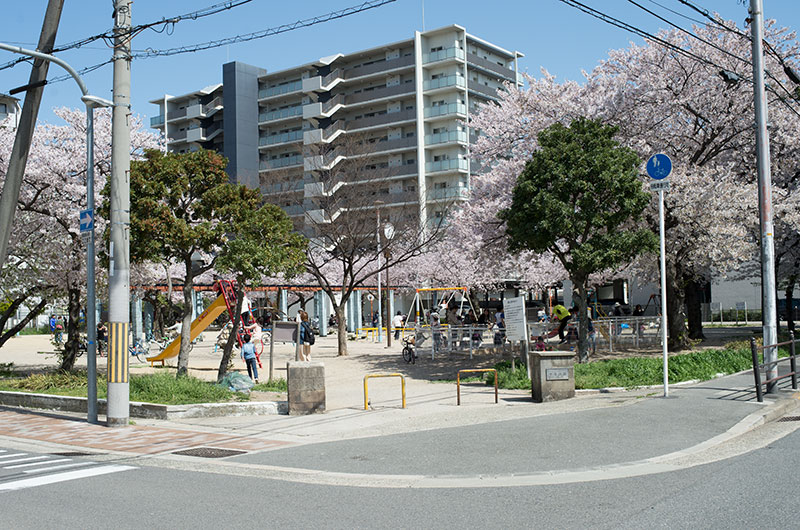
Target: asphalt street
{"type": "Point", "coordinates": [752, 489]}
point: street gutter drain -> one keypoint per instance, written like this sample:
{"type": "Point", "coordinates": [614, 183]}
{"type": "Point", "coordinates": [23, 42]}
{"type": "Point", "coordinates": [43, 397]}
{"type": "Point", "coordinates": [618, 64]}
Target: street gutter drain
{"type": "Point", "coordinates": [209, 452]}
{"type": "Point", "coordinates": [790, 418]}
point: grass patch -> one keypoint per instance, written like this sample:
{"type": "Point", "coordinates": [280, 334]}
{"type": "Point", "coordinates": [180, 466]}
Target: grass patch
{"type": "Point", "coordinates": [276, 385]}
{"type": "Point", "coordinates": [44, 330]}
{"type": "Point", "coordinates": [635, 371]}
{"type": "Point", "coordinates": [161, 388]}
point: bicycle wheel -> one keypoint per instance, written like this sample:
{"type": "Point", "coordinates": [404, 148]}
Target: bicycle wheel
{"type": "Point", "coordinates": [408, 354]}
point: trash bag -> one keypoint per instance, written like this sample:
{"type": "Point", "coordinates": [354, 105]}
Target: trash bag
{"type": "Point", "coordinates": [236, 382]}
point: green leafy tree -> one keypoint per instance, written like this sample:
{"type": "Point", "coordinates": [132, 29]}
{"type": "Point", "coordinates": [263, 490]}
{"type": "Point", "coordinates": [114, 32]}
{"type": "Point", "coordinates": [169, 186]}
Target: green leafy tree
{"type": "Point", "coordinates": [580, 198]}
{"type": "Point", "coordinates": [265, 245]}
{"type": "Point", "coordinates": [182, 206]}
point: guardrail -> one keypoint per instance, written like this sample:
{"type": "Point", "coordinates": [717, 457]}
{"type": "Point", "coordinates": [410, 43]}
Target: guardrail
{"type": "Point", "coordinates": [458, 382]}
{"type": "Point", "coordinates": [758, 368]}
{"type": "Point", "coordinates": [371, 376]}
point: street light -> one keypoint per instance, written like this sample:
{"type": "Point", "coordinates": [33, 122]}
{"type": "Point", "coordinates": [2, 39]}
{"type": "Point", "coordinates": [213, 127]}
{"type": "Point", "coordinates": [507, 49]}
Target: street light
{"type": "Point", "coordinates": [378, 240]}
{"type": "Point", "coordinates": [91, 103]}
{"type": "Point", "coordinates": [388, 233]}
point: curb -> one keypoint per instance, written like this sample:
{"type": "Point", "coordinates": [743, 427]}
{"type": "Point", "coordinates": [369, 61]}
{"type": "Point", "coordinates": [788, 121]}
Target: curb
{"type": "Point", "coordinates": [145, 410]}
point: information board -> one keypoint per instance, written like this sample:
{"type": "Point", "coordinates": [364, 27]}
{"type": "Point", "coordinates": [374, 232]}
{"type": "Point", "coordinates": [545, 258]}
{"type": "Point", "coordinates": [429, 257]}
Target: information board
{"type": "Point", "coordinates": [514, 311]}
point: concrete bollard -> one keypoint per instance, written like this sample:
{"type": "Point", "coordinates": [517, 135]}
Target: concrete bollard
{"type": "Point", "coordinates": [553, 375]}
{"type": "Point", "coordinates": [306, 387]}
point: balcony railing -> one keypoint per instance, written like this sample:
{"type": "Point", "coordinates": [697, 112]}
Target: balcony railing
{"type": "Point", "coordinates": [281, 113]}
{"type": "Point", "coordinates": [336, 100]}
{"type": "Point", "coordinates": [441, 55]}
{"type": "Point", "coordinates": [502, 71]}
{"type": "Point", "coordinates": [174, 114]}
{"type": "Point", "coordinates": [483, 89]}
{"type": "Point", "coordinates": [443, 110]}
{"type": "Point", "coordinates": [382, 66]}
{"type": "Point", "coordinates": [394, 90]}
{"type": "Point", "coordinates": [381, 119]}
{"type": "Point", "coordinates": [277, 163]}
{"type": "Point", "coordinates": [291, 136]}
{"type": "Point", "coordinates": [446, 137]}
{"type": "Point", "coordinates": [293, 86]}
{"type": "Point", "coordinates": [442, 82]}
{"type": "Point", "coordinates": [155, 121]}
{"type": "Point", "coordinates": [216, 102]}
{"type": "Point", "coordinates": [446, 165]}
{"type": "Point", "coordinates": [441, 194]}
{"type": "Point", "coordinates": [388, 145]}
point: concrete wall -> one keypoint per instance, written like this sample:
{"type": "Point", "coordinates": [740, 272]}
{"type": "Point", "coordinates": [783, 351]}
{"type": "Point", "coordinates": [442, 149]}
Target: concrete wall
{"type": "Point", "coordinates": [240, 100]}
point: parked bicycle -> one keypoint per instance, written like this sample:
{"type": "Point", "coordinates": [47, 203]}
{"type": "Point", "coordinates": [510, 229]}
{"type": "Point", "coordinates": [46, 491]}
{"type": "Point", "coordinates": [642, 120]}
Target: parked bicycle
{"type": "Point", "coordinates": [409, 351]}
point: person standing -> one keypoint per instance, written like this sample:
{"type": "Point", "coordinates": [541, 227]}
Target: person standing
{"type": "Point", "coordinates": [561, 314]}
{"type": "Point", "coordinates": [638, 323]}
{"type": "Point", "coordinates": [248, 354]}
{"type": "Point", "coordinates": [306, 336]}
{"type": "Point", "coordinates": [397, 323]}
{"type": "Point", "coordinates": [53, 323]}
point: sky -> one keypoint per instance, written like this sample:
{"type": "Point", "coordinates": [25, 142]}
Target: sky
{"type": "Point", "coordinates": [551, 34]}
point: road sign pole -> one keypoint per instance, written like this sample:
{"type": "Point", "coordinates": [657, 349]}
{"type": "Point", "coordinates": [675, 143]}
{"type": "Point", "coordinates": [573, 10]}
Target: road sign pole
{"type": "Point", "coordinates": [663, 290]}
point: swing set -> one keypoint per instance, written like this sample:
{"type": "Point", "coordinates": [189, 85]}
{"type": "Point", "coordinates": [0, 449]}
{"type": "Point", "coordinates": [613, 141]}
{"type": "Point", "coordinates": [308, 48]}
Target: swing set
{"type": "Point", "coordinates": [422, 314]}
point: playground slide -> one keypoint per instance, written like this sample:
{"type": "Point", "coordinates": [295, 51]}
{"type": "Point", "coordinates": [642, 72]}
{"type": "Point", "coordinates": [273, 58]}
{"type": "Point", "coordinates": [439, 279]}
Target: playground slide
{"type": "Point", "coordinates": [200, 323]}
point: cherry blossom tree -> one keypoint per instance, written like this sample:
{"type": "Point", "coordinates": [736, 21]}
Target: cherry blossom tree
{"type": "Point", "coordinates": [53, 192]}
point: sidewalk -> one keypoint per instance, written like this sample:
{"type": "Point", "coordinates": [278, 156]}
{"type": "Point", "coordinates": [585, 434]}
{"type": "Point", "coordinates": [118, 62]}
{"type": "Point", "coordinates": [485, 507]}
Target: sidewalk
{"type": "Point", "coordinates": [433, 437]}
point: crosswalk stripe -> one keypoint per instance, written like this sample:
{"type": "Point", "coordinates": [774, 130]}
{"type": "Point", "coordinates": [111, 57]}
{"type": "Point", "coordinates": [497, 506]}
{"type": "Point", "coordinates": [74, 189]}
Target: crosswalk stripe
{"type": "Point", "coordinates": [37, 463]}
{"type": "Point", "coordinates": [12, 456]}
{"type": "Point", "coordinates": [62, 477]}
{"type": "Point", "coordinates": [28, 459]}
{"type": "Point", "coordinates": [63, 466]}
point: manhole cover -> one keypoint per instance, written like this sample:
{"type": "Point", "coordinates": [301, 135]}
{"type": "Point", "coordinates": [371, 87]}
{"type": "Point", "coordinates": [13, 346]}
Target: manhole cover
{"type": "Point", "coordinates": [790, 418]}
{"type": "Point", "coordinates": [209, 452]}
{"type": "Point", "coordinates": [74, 453]}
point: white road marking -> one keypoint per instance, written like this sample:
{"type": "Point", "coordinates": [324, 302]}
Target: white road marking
{"type": "Point", "coordinates": [62, 477]}
{"type": "Point", "coordinates": [38, 463]}
{"type": "Point", "coordinates": [28, 459]}
{"type": "Point", "coordinates": [63, 466]}
{"type": "Point", "coordinates": [12, 456]}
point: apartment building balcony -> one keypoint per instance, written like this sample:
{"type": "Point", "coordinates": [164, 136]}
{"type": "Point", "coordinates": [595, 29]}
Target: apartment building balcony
{"type": "Point", "coordinates": [446, 138]}
{"type": "Point", "coordinates": [157, 121]}
{"type": "Point", "coordinates": [454, 164]}
{"type": "Point", "coordinates": [283, 138]}
{"type": "Point", "coordinates": [380, 93]}
{"type": "Point", "coordinates": [176, 114]}
{"type": "Point", "coordinates": [443, 82]}
{"type": "Point", "coordinates": [491, 67]}
{"type": "Point", "coordinates": [382, 119]}
{"type": "Point", "coordinates": [212, 106]}
{"type": "Point", "coordinates": [447, 194]}
{"type": "Point", "coordinates": [391, 145]}
{"type": "Point", "coordinates": [196, 134]}
{"type": "Point", "coordinates": [327, 135]}
{"type": "Point", "coordinates": [295, 210]}
{"type": "Point", "coordinates": [280, 114]}
{"type": "Point", "coordinates": [382, 67]}
{"type": "Point", "coordinates": [323, 109]}
{"type": "Point", "coordinates": [485, 91]}
{"type": "Point", "coordinates": [323, 83]}
{"type": "Point", "coordinates": [278, 163]}
{"type": "Point", "coordinates": [448, 54]}
{"type": "Point", "coordinates": [278, 188]}
{"type": "Point", "coordinates": [448, 110]}
{"type": "Point", "coordinates": [280, 90]}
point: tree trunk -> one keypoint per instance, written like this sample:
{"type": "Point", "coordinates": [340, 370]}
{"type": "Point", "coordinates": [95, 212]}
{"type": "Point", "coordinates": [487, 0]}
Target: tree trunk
{"type": "Point", "coordinates": [694, 311]}
{"type": "Point", "coordinates": [583, 320]}
{"type": "Point", "coordinates": [341, 327]}
{"type": "Point", "coordinates": [188, 292]}
{"type": "Point", "coordinates": [677, 338]}
{"type": "Point", "coordinates": [70, 353]}
{"type": "Point", "coordinates": [227, 351]}
{"type": "Point", "coordinates": [36, 311]}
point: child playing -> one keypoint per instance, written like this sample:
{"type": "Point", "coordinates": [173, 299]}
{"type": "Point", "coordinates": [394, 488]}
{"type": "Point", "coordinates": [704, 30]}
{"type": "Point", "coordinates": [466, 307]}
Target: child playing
{"type": "Point", "coordinates": [249, 356]}
{"type": "Point", "coordinates": [539, 345]}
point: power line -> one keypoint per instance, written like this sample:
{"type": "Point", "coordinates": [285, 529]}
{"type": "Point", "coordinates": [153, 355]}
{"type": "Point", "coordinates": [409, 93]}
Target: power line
{"type": "Point", "coordinates": [608, 19]}
{"type": "Point", "coordinates": [264, 33]}
{"type": "Point", "coordinates": [662, 6]}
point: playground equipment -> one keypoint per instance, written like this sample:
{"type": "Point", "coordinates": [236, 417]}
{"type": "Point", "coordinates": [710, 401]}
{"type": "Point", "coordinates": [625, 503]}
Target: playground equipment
{"type": "Point", "coordinates": [450, 292]}
{"type": "Point", "coordinates": [225, 301]}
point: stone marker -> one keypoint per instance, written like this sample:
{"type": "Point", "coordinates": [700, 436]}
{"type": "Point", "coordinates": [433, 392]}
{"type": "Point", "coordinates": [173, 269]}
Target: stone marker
{"type": "Point", "coordinates": [306, 387]}
{"type": "Point", "coordinates": [553, 375]}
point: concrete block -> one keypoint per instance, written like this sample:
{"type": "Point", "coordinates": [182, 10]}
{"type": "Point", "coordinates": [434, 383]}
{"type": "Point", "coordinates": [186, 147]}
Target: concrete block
{"type": "Point", "coordinates": [553, 375]}
{"type": "Point", "coordinates": [305, 383]}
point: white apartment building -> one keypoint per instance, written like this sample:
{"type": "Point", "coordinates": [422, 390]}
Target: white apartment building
{"type": "Point", "coordinates": [9, 111]}
{"type": "Point", "coordinates": [410, 100]}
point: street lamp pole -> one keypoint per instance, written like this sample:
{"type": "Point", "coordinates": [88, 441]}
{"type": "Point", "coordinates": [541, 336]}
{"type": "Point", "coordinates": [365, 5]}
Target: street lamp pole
{"type": "Point", "coordinates": [378, 239]}
{"type": "Point", "coordinates": [91, 325]}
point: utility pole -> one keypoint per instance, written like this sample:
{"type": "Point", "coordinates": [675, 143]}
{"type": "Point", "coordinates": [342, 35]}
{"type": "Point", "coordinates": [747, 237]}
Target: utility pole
{"type": "Point", "coordinates": [27, 124]}
{"type": "Point", "coordinates": [119, 251]}
{"type": "Point", "coordinates": [768, 305]}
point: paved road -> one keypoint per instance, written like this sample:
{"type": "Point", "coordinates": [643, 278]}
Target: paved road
{"type": "Point", "coordinates": [723, 494]}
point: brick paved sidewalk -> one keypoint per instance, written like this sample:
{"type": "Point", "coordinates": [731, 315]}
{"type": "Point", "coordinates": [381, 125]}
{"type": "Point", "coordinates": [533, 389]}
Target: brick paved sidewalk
{"type": "Point", "coordinates": [137, 439]}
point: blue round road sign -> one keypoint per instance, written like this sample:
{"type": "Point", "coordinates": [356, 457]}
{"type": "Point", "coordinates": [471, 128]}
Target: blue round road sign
{"type": "Point", "coordinates": [659, 166]}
